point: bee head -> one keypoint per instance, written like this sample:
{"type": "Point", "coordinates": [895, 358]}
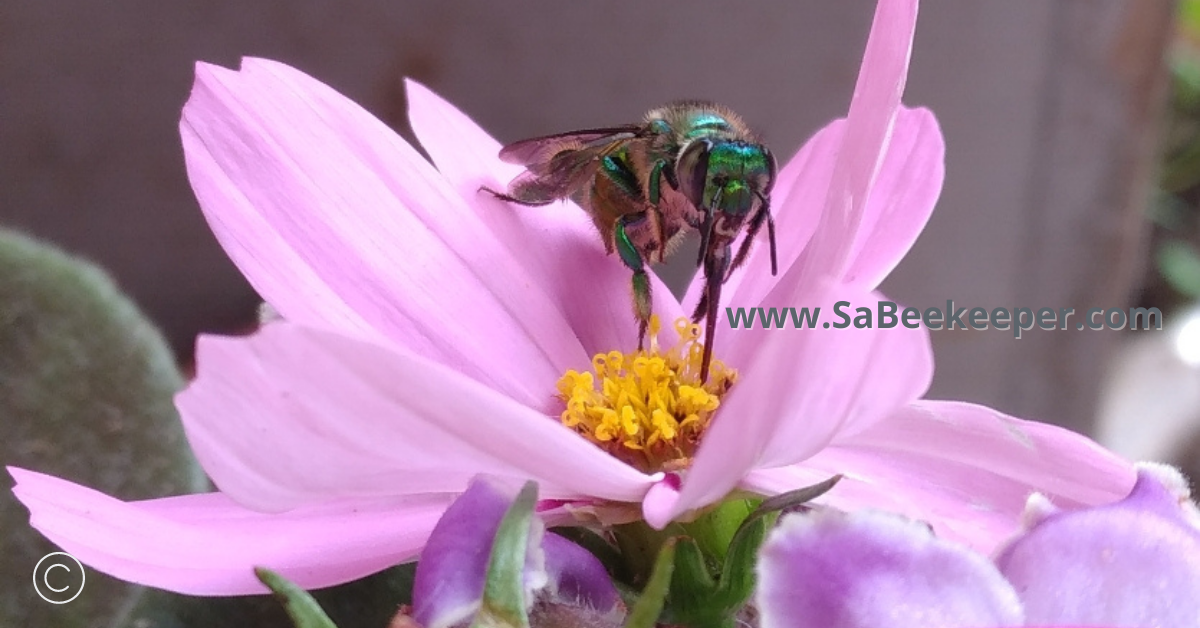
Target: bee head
{"type": "Point", "coordinates": [725, 175]}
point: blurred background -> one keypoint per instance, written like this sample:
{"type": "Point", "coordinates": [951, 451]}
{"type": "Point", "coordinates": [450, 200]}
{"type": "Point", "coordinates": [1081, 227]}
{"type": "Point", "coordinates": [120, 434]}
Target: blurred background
{"type": "Point", "coordinates": [1072, 178]}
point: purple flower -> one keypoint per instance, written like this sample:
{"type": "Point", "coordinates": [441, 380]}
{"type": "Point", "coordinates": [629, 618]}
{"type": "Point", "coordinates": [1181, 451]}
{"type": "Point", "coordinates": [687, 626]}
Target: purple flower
{"type": "Point", "coordinates": [450, 576]}
{"type": "Point", "coordinates": [1134, 563]}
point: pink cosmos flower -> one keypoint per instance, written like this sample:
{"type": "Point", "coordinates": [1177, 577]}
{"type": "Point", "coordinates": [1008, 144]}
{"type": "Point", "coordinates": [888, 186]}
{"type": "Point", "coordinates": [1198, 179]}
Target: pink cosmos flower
{"type": "Point", "coordinates": [425, 326]}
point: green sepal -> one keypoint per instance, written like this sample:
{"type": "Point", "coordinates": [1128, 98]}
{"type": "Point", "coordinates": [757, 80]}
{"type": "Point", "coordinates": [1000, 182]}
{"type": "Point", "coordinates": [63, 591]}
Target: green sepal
{"type": "Point", "coordinates": [504, 589]}
{"type": "Point", "coordinates": [738, 572]}
{"type": "Point", "coordinates": [715, 529]}
{"type": "Point", "coordinates": [743, 549]}
{"type": "Point", "coordinates": [300, 606]}
{"type": "Point", "coordinates": [692, 583]}
{"type": "Point", "coordinates": [638, 546]}
{"type": "Point", "coordinates": [692, 600]}
{"type": "Point", "coordinates": [649, 606]}
{"type": "Point", "coordinates": [792, 499]}
{"type": "Point", "coordinates": [695, 601]}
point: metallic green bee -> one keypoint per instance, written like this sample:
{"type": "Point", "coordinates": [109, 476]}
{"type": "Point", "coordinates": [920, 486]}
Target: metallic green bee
{"type": "Point", "coordinates": [688, 165]}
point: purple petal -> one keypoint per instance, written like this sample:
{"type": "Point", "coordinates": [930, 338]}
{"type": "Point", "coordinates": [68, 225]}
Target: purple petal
{"type": "Point", "coordinates": [966, 469]}
{"type": "Point", "coordinates": [338, 223]}
{"type": "Point", "coordinates": [557, 245]}
{"type": "Point", "coordinates": [873, 570]}
{"type": "Point", "coordinates": [450, 577]}
{"type": "Point", "coordinates": [576, 577]}
{"type": "Point", "coordinates": [1155, 477]}
{"type": "Point", "coordinates": [453, 568]}
{"type": "Point", "coordinates": [292, 416]}
{"type": "Point", "coordinates": [799, 391]}
{"type": "Point", "coordinates": [209, 545]}
{"type": "Point", "coordinates": [1132, 563]}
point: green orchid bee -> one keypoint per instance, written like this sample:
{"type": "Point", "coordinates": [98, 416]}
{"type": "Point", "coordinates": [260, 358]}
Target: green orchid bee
{"type": "Point", "coordinates": [687, 166]}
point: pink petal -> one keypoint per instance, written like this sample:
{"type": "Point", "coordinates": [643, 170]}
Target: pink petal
{"type": "Point", "coordinates": [966, 469]}
{"type": "Point", "coordinates": [801, 390]}
{"type": "Point", "coordinates": [468, 158]}
{"type": "Point", "coordinates": [902, 197]}
{"type": "Point", "coordinates": [557, 244]}
{"type": "Point", "coordinates": [339, 223]}
{"type": "Point", "coordinates": [869, 128]}
{"type": "Point", "coordinates": [659, 505]}
{"type": "Point", "coordinates": [209, 545]}
{"type": "Point", "coordinates": [876, 570]}
{"type": "Point", "coordinates": [292, 416]}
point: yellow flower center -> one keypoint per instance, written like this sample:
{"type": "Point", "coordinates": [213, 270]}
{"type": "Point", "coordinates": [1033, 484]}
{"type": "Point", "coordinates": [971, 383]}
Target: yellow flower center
{"type": "Point", "coordinates": [647, 408]}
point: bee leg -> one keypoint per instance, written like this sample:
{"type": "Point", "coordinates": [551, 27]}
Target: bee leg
{"type": "Point", "coordinates": [701, 305]}
{"type": "Point", "coordinates": [706, 229]}
{"type": "Point", "coordinates": [662, 169]}
{"type": "Point", "coordinates": [642, 299]}
{"type": "Point", "coordinates": [660, 239]}
{"type": "Point", "coordinates": [528, 202]}
{"type": "Point", "coordinates": [771, 239]}
{"type": "Point", "coordinates": [654, 184]}
{"type": "Point", "coordinates": [716, 267]}
{"type": "Point", "coordinates": [641, 304]}
{"type": "Point", "coordinates": [763, 215]}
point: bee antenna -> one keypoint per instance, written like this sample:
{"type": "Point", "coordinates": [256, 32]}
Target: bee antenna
{"type": "Point", "coordinates": [766, 207]}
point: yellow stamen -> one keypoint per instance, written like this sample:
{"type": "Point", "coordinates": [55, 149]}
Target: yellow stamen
{"type": "Point", "coordinates": [648, 408]}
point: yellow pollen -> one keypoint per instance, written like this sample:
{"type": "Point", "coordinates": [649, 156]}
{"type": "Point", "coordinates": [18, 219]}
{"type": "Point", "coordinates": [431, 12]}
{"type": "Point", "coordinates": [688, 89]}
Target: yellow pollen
{"type": "Point", "coordinates": [647, 408]}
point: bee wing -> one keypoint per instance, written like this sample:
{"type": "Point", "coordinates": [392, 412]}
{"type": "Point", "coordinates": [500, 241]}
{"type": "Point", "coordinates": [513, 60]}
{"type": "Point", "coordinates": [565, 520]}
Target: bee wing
{"type": "Point", "coordinates": [530, 188]}
{"type": "Point", "coordinates": [537, 153]}
{"type": "Point", "coordinates": [559, 165]}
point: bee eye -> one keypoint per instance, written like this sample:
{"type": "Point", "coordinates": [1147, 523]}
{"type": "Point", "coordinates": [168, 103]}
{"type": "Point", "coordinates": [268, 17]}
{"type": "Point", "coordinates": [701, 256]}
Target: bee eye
{"type": "Point", "coordinates": [692, 170]}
